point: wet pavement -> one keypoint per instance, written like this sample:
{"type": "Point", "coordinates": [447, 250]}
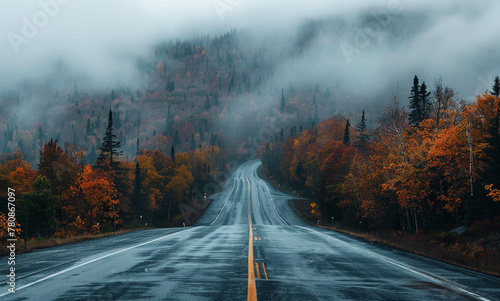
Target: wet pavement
{"type": "Point", "coordinates": [288, 260]}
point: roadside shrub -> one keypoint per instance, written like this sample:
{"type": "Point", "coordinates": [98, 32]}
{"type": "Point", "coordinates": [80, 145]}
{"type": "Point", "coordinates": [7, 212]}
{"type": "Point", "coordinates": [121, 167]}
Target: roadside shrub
{"type": "Point", "coordinates": [449, 237]}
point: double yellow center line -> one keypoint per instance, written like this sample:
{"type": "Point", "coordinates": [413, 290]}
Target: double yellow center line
{"type": "Point", "coordinates": [252, 289]}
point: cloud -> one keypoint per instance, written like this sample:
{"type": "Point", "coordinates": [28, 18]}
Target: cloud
{"type": "Point", "coordinates": [100, 40]}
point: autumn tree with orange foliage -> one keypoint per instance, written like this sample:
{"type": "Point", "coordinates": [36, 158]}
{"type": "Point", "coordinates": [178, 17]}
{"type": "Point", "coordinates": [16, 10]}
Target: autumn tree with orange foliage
{"type": "Point", "coordinates": [90, 200]}
{"type": "Point", "coordinates": [438, 172]}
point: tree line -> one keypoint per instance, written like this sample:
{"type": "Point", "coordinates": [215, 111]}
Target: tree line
{"type": "Point", "coordinates": [66, 196]}
{"type": "Point", "coordinates": [434, 166]}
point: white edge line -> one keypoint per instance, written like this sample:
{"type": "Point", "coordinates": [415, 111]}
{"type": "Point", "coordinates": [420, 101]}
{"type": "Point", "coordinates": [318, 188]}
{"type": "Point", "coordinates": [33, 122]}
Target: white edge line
{"type": "Point", "coordinates": [90, 261]}
{"type": "Point", "coordinates": [275, 209]}
{"type": "Point", "coordinates": [224, 206]}
{"type": "Point", "coordinates": [272, 200]}
{"type": "Point", "coordinates": [408, 268]}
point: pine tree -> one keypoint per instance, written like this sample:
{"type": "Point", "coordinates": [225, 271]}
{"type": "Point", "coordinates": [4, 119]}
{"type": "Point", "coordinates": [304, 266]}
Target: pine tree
{"type": "Point", "coordinates": [316, 116]}
{"type": "Point", "coordinates": [362, 133]}
{"type": "Point", "coordinates": [424, 101]}
{"type": "Point", "coordinates": [137, 195]}
{"type": "Point", "coordinates": [172, 154]}
{"type": "Point", "coordinates": [177, 139]}
{"type": "Point", "coordinates": [138, 123]}
{"type": "Point", "coordinates": [347, 138]}
{"type": "Point", "coordinates": [496, 87]}
{"type": "Point", "coordinates": [107, 161]}
{"type": "Point", "coordinates": [415, 106]}
{"type": "Point", "coordinates": [40, 136]}
{"type": "Point", "coordinates": [207, 103]}
{"type": "Point", "coordinates": [216, 100]}
{"type": "Point", "coordinates": [193, 143]}
{"type": "Point", "coordinates": [50, 157]}
{"type": "Point", "coordinates": [42, 208]}
{"type": "Point", "coordinates": [327, 93]}
{"type": "Point", "coordinates": [282, 103]}
{"type": "Point", "coordinates": [109, 147]}
{"type": "Point", "coordinates": [491, 173]}
{"type": "Point", "coordinates": [117, 121]}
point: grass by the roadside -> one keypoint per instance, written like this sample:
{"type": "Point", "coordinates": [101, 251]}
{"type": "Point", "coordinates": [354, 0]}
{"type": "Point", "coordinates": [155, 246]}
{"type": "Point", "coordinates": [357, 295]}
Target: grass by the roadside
{"type": "Point", "coordinates": [41, 243]}
{"type": "Point", "coordinates": [476, 252]}
{"type": "Point", "coordinates": [192, 210]}
{"type": "Point", "coordinates": [465, 251]}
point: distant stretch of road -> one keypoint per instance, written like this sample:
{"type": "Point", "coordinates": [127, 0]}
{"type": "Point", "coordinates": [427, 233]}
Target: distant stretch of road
{"type": "Point", "coordinates": [249, 245]}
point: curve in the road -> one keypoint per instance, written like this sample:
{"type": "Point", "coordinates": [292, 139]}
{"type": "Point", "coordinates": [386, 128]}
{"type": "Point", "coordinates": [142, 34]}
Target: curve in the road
{"type": "Point", "coordinates": [248, 245]}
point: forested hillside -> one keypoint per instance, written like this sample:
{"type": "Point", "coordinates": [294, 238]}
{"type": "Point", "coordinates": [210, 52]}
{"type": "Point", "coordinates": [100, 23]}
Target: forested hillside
{"type": "Point", "coordinates": [431, 166]}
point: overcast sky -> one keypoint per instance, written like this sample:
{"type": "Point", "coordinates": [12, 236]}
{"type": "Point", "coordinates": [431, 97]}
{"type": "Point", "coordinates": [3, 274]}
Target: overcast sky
{"type": "Point", "coordinates": [96, 37]}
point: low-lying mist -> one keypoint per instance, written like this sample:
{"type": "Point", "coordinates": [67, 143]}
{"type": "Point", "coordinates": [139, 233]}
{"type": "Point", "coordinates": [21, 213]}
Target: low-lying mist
{"type": "Point", "coordinates": [371, 46]}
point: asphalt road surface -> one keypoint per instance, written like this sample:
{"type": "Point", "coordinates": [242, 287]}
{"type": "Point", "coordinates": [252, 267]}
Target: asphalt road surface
{"type": "Point", "coordinates": [248, 245]}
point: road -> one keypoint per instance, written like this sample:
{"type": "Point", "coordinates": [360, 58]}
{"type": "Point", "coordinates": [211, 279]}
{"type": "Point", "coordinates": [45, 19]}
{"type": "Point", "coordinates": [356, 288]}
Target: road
{"type": "Point", "coordinates": [248, 245]}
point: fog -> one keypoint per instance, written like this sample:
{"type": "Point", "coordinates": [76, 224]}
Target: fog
{"type": "Point", "coordinates": [371, 46]}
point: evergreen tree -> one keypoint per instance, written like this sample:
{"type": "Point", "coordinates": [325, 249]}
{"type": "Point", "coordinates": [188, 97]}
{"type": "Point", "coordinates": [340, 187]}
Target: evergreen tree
{"type": "Point", "coordinates": [282, 102]}
{"type": "Point", "coordinates": [107, 161]}
{"type": "Point", "coordinates": [216, 100]}
{"type": "Point", "coordinates": [347, 138]}
{"type": "Point", "coordinates": [137, 195]}
{"type": "Point", "coordinates": [52, 157]}
{"type": "Point", "coordinates": [316, 116]}
{"type": "Point", "coordinates": [138, 123]}
{"type": "Point", "coordinates": [491, 172]}
{"type": "Point", "coordinates": [415, 115]}
{"type": "Point", "coordinates": [172, 154]}
{"type": "Point", "coordinates": [207, 103]}
{"type": "Point", "coordinates": [42, 208]}
{"type": "Point", "coordinates": [177, 139]}
{"type": "Point", "coordinates": [213, 140]}
{"type": "Point", "coordinates": [109, 147]}
{"type": "Point", "coordinates": [424, 101]}
{"type": "Point", "coordinates": [117, 121]}
{"type": "Point", "coordinates": [40, 135]}
{"type": "Point", "coordinates": [193, 143]}
{"type": "Point", "coordinates": [88, 130]}
{"type": "Point", "coordinates": [170, 85]}
{"type": "Point", "coordinates": [496, 87]}
{"type": "Point", "coordinates": [327, 93]}
{"type": "Point", "coordinates": [362, 133]}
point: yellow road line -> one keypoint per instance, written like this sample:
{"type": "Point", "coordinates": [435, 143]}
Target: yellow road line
{"type": "Point", "coordinates": [257, 268]}
{"type": "Point", "coordinates": [264, 269]}
{"type": "Point", "coordinates": [252, 289]}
